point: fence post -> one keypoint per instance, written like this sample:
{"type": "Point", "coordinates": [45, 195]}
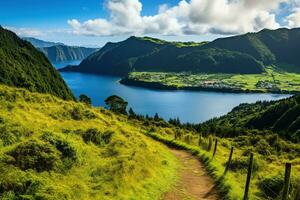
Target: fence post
{"type": "Point", "coordinates": [285, 193]}
{"type": "Point", "coordinates": [199, 140]}
{"type": "Point", "coordinates": [229, 161]}
{"type": "Point", "coordinates": [215, 149]}
{"type": "Point", "coordinates": [250, 168]}
{"type": "Point", "coordinates": [209, 143]}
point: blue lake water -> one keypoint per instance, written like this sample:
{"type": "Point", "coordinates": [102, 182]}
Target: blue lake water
{"type": "Point", "coordinates": [189, 106]}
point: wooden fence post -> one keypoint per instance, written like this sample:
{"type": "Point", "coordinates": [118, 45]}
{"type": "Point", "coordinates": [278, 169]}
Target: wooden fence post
{"type": "Point", "coordinates": [209, 144]}
{"type": "Point", "coordinates": [250, 168]}
{"type": "Point", "coordinates": [229, 161]}
{"type": "Point", "coordinates": [215, 149]}
{"type": "Point", "coordinates": [199, 140]}
{"type": "Point", "coordinates": [285, 193]}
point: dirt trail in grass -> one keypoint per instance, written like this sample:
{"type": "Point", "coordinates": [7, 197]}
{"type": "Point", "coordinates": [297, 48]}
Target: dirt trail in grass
{"type": "Point", "coordinates": [193, 183]}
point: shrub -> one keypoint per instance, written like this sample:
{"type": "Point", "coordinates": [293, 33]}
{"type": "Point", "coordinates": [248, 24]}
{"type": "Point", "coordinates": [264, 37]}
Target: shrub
{"type": "Point", "coordinates": [12, 133]}
{"type": "Point", "coordinates": [242, 163]}
{"type": "Point", "coordinates": [272, 186]}
{"type": "Point", "coordinates": [263, 147]}
{"type": "Point", "coordinates": [17, 184]}
{"type": "Point", "coordinates": [35, 154]}
{"type": "Point", "coordinates": [96, 137]}
{"type": "Point", "coordinates": [68, 153]}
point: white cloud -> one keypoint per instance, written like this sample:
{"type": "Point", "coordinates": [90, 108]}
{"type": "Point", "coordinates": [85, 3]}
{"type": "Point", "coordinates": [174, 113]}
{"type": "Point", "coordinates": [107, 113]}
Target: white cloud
{"type": "Point", "coordinates": [188, 17]}
{"type": "Point", "coordinates": [26, 32]}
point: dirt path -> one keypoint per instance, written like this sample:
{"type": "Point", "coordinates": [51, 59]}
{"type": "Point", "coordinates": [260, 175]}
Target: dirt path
{"type": "Point", "coordinates": [193, 183]}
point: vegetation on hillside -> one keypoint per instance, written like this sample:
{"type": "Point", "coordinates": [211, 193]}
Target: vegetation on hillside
{"type": "Point", "coordinates": [55, 149]}
{"type": "Point", "coordinates": [21, 65]}
{"type": "Point", "coordinates": [244, 54]}
{"type": "Point", "coordinates": [272, 80]}
{"type": "Point", "coordinates": [282, 117]}
{"type": "Point", "coordinates": [60, 53]}
{"type": "Point", "coordinates": [272, 147]}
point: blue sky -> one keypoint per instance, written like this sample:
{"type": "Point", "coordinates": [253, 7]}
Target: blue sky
{"type": "Point", "coordinates": [94, 22]}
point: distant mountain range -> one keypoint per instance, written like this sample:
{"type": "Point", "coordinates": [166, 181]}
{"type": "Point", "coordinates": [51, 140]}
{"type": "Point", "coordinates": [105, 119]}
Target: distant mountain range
{"type": "Point", "coordinates": [57, 52]}
{"type": "Point", "coordinates": [41, 43]}
{"type": "Point", "coordinates": [21, 65]}
{"type": "Point", "coordinates": [244, 54]}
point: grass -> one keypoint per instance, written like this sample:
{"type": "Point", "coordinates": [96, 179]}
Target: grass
{"type": "Point", "coordinates": [267, 179]}
{"type": "Point", "coordinates": [272, 80]}
{"type": "Point", "coordinates": [55, 149]}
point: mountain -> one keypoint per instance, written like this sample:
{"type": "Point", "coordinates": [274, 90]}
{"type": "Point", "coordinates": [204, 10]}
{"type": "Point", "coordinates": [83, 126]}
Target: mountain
{"type": "Point", "coordinates": [21, 65]}
{"type": "Point", "coordinates": [40, 43]}
{"type": "Point", "coordinates": [243, 54]}
{"type": "Point", "coordinates": [281, 116]}
{"type": "Point", "coordinates": [149, 54]}
{"type": "Point", "coordinates": [60, 53]}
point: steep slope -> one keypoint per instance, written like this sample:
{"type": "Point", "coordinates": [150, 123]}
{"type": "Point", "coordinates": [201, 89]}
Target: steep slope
{"type": "Point", "coordinates": [60, 53]}
{"type": "Point", "coordinates": [40, 43]}
{"type": "Point", "coordinates": [21, 65]}
{"type": "Point", "coordinates": [269, 46]}
{"type": "Point", "coordinates": [280, 116]}
{"type": "Point", "coordinates": [244, 54]}
{"type": "Point", "coordinates": [55, 149]}
{"type": "Point", "coordinates": [150, 54]}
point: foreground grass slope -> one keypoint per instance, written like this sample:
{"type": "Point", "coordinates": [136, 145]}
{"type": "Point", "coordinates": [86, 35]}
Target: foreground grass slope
{"type": "Point", "coordinates": [21, 65]}
{"type": "Point", "coordinates": [55, 149]}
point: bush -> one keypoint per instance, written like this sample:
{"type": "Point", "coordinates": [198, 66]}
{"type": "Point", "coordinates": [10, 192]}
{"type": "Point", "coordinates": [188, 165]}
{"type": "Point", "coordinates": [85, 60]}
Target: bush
{"type": "Point", "coordinates": [272, 186]}
{"type": "Point", "coordinates": [96, 137]}
{"type": "Point", "coordinates": [12, 133]}
{"type": "Point", "coordinates": [68, 153]}
{"type": "Point", "coordinates": [263, 148]}
{"type": "Point", "coordinates": [35, 154]}
{"type": "Point", "coordinates": [242, 164]}
{"type": "Point", "coordinates": [17, 184]}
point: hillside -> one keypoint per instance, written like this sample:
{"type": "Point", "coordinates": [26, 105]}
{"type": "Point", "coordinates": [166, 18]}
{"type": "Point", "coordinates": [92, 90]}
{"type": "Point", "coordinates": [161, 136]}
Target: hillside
{"type": "Point", "coordinates": [244, 54]}
{"type": "Point", "coordinates": [281, 116]}
{"type": "Point", "coordinates": [40, 43]}
{"type": "Point", "coordinates": [149, 54]}
{"type": "Point", "coordinates": [60, 53]}
{"type": "Point", "coordinates": [21, 65]}
{"type": "Point", "coordinates": [55, 149]}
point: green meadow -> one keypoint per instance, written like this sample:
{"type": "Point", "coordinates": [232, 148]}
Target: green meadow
{"type": "Point", "coordinates": [272, 80]}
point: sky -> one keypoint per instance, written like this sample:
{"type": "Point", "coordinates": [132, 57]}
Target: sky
{"type": "Point", "coordinates": [95, 22]}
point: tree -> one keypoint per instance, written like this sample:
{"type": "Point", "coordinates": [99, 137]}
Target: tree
{"type": "Point", "coordinates": [132, 114]}
{"type": "Point", "coordinates": [85, 99]}
{"type": "Point", "coordinates": [116, 104]}
{"type": "Point", "coordinates": [156, 117]}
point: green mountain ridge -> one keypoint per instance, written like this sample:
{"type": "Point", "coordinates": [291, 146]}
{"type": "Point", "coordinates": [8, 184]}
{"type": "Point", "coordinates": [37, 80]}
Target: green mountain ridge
{"type": "Point", "coordinates": [244, 54]}
{"type": "Point", "coordinates": [281, 116]}
{"type": "Point", "coordinates": [21, 65]}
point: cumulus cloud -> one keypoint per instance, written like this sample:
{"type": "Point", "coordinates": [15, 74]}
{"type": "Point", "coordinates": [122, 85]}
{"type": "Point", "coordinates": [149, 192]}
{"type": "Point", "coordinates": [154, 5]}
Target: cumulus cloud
{"type": "Point", "coordinates": [188, 17]}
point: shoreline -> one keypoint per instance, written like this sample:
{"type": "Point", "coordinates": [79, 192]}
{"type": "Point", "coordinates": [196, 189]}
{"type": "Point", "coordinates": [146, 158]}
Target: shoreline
{"type": "Point", "coordinates": [160, 86]}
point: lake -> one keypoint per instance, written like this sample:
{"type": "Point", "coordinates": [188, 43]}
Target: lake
{"type": "Point", "coordinates": [189, 106]}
